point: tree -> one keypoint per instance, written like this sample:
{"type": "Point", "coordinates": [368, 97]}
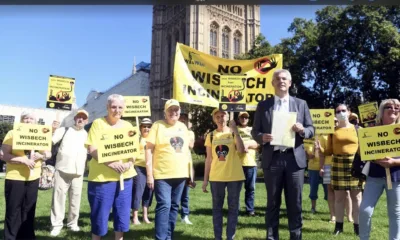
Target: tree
{"type": "Point", "coordinates": [4, 128]}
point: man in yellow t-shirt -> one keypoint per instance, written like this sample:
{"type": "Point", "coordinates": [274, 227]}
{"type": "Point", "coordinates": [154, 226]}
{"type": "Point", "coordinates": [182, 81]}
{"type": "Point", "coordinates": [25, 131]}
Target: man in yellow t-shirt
{"type": "Point", "coordinates": [248, 161]}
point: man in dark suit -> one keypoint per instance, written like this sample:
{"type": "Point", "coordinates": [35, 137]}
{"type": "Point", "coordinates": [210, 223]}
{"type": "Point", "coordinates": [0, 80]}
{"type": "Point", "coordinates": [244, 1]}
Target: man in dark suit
{"type": "Point", "coordinates": [283, 167]}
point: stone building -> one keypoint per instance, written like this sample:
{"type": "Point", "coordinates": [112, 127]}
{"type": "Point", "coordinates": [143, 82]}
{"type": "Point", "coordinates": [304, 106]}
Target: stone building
{"type": "Point", "coordinates": [220, 30]}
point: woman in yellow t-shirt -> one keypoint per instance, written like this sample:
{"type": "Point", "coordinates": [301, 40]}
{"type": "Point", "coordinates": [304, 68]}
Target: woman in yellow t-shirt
{"type": "Point", "coordinates": [167, 166]}
{"type": "Point", "coordinates": [223, 169]}
{"type": "Point", "coordinates": [141, 192]}
{"type": "Point", "coordinates": [21, 185]}
{"type": "Point", "coordinates": [103, 181]}
{"type": "Point", "coordinates": [248, 161]}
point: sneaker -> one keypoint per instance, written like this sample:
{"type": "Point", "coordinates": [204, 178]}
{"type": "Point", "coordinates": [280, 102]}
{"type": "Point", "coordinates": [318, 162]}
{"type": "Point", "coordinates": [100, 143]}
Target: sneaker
{"type": "Point", "coordinates": [186, 220]}
{"type": "Point", "coordinates": [313, 211]}
{"type": "Point", "coordinates": [251, 214]}
{"type": "Point", "coordinates": [55, 232]}
{"type": "Point", "coordinates": [74, 228]}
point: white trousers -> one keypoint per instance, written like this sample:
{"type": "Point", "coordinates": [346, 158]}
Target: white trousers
{"type": "Point", "coordinates": [66, 183]}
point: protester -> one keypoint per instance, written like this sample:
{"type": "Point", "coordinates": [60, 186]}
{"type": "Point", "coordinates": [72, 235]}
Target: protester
{"type": "Point", "coordinates": [21, 185]}
{"type": "Point", "coordinates": [343, 144]}
{"type": "Point", "coordinates": [103, 181]}
{"type": "Point", "coordinates": [313, 173]}
{"type": "Point", "coordinates": [283, 167]}
{"type": "Point", "coordinates": [184, 118]}
{"type": "Point", "coordinates": [248, 161]}
{"type": "Point", "coordinates": [223, 170]}
{"type": "Point", "coordinates": [68, 178]}
{"type": "Point", "coordinates": [376, 181]}
{"type": "Point", "coordinates": [353, 119]}
{"type": "Point", "coordinates": [167, 166]}
{"type": "Point", "coordinates": [55, 125]}
{"type": "Point", "coordinates": [141, 192]}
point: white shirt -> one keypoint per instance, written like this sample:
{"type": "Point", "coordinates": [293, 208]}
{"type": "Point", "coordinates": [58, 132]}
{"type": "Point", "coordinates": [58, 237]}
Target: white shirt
{"type": "Point", "coordinates": [71, 157]}
{"type": "Point", "coordinates": [281, 107]}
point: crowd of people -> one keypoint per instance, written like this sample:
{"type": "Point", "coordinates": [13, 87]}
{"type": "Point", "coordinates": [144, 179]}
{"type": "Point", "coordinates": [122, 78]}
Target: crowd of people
{"type": "Point", "coordinates": [164, 169]}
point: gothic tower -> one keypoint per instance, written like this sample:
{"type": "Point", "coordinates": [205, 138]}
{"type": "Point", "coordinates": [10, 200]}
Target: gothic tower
{"type": "Point", "coordinates": [220, 30]}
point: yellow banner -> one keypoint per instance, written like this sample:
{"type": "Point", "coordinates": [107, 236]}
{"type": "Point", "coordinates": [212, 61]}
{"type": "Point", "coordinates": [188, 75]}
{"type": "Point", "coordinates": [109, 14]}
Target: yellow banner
{"type": "Point", "coordinates": [117, 144]}
{"type": "Point", "coordinates": [197, 76]}
{"type": "Point", "coordinates": [60, 92]}
{"type": "Point", "coordinates": [32, 137]}
{"type": "Point", "coordinates": [137, 106]}
{"type": "Point", "coordinates": [233, 93]}
{"type": "Point", "coordinates": [368, 112]}
{"type": "Point", "coordinates": [379, 142]}
{"type": "Point", "coordinates": [323, 120]}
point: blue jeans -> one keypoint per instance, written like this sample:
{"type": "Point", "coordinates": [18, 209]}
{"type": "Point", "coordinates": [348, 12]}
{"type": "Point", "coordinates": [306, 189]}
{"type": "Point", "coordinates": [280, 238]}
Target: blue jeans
{"type": "Point", "coordinates": [250, 173]}
{"type": "Point", "coordinates": [185, 202]}
{"type": "Point", "coordinates": [218, 197]}
{"type": "Point", "coordinates": [141, 193]}
{"type": "Point", "coordinates": [315, 180]}
{"type": "Point", "coordinates": [168, 195]}
{"type": "Point", "coordinates": [373, 190]}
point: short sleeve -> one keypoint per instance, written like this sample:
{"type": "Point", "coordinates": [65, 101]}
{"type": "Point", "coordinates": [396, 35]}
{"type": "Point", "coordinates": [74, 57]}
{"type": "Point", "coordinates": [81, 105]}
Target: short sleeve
{"type": "Point", "coordinates": [92, 136]}
{"type": "Point", "coordinates": [58, 135]}
{"type": "Point", "coordinates": [191, 136]}
{"type": "Point", "coordinates": [208, 140]}
{"type": "Point", "coordinates": [151, 138]}
{"type": "Point", "coordinates": [8, 139]}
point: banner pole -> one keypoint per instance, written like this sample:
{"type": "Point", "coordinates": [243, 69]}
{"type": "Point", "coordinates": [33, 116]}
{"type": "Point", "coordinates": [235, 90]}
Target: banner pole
{"type": "Point", "coordinates": [388, 178]}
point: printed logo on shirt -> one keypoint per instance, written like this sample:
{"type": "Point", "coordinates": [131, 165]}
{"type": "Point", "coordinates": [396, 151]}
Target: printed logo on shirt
{"type": "Point", "coordinates": [177, 144]}
{"type": "Point", "coordinates": [222, 151]}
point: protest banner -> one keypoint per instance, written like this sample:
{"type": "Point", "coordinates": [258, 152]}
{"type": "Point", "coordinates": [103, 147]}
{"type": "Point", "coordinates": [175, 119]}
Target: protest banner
{"type": "Point", "coordinates": [32, 137]}
{"type": "Point", "coordinates": [233, 93]}
{"type": "Point", "coordinates": [137, 106]}
{"type": "Point", "coordinates": [116, 144]}
{"type": "Point", "coordinates": [60, 92]}
{"type": "Point", "coordinates": [379, 142]}
{"type": "Point", "coordinates": [197, 77]}
{"type": "Point", "coordinates": [368, 112]}
{"type": "Point", "coordinates": [323, 120]}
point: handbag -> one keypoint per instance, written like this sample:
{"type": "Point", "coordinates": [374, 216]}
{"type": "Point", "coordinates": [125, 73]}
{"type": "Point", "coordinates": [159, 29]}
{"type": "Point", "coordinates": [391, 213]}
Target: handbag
{"type": "Point", "coordinates": [357, 168]}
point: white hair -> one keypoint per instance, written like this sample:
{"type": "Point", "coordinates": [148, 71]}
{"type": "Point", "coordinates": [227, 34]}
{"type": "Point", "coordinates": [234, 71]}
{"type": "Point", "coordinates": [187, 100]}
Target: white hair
{"type": "Point", "coordinates": [114, 97]}
{"type": "Point", "coordinates": [276, 73]}
{"type": "Point", "coordinates": [27, 113]}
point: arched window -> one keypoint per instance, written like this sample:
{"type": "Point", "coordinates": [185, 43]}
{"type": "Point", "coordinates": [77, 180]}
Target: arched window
{"type": "Point", "coordinates": [237, 38]}
{"type": "Point", "coordinates": [214, 38]}
{"type": "Point", "coordinates": [225, 42]}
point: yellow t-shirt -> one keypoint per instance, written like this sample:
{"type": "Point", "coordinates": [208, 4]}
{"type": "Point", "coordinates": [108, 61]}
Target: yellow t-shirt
{"type": "Point", "coordinates": [226, 165]}
{"type": "Point", "coordinates": [140, 161]}
{"type": "Point", "coordinates": [20, 172]}
{"type": "Point", "coordinates": [249, 158]}
{"type": "Point", "coordinates": [323, 139]}
{"type": "Point", "coordinates": [313, 164]}
{"type": "Point", "coordinates": [99, 172]}
{"type": "Point", "coordinates": [171, 150]}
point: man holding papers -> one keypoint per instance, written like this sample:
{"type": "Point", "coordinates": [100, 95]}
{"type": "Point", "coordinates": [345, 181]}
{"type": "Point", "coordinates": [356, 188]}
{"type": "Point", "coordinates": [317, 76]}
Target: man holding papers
{"type": "Point", "coordinates": [283, 159]}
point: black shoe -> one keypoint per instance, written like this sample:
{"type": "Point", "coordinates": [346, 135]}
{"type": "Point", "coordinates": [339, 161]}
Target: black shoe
{"type": "Point", "coordinates": [338, 228]}
{"type": "Point", "coordinates": [356, 229]}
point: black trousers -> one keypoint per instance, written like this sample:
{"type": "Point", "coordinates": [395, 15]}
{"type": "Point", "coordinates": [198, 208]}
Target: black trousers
{"type": "Point", "coordinates": [284, 174]}
{"type": "Point", "coordinates": [21, 197]}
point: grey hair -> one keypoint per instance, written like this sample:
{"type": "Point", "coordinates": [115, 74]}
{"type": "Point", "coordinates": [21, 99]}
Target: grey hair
{"type": "Point", "coordinates": [276, 73]}
{"type": "Point", "coordinates": [379, 116]}
{"type": "Point", "coordinates": [114, 97]}
{"type": "Point", "coordinates": [27, 113]}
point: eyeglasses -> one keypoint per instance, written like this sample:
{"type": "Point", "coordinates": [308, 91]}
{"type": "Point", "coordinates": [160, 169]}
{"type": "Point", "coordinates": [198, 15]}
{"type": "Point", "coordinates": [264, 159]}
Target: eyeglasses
{"type": "Point", "coordinates": [339, 111]}
{"type": "Point", "coordinates": [244, 117]}
{"type": "Point", "coordinates": [391, 108]}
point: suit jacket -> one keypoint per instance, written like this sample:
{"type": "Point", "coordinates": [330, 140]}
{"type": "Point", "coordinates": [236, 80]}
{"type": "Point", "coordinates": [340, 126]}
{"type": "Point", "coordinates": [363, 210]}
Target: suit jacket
{"type": "Point", "coordinates": [263, 124]}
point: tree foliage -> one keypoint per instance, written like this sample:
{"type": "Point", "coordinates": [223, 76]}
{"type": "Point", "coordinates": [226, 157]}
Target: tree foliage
{"type": "Point", "coordinates": [4, 128]}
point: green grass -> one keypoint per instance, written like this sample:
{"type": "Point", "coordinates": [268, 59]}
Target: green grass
{"type": "Point", "coordinates": [316, 226]}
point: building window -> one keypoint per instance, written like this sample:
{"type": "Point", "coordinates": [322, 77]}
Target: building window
{"type": "Point", "coordinates": [237, 37]}
{"type": "Point", "coordinates": [7, 119]}
{"type": "Point", "coordinates": [225, 42]}
{"type": "Point", "coordinates": [41, 121]}
{"type": "Point", "coordinates": [214, 39]}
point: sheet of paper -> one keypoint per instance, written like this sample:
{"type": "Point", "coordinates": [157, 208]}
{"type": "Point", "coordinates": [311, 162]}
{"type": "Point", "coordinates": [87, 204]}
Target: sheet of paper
{"type": "Point", "coordinates": [282, 133]}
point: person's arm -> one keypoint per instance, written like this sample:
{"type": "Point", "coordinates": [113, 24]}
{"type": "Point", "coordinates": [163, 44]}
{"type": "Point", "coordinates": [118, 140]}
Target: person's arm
{"type": "Point", "coordinates": [256, 131]}
{"type": "Point", "coordinates": [8, 157]}
{"type": "Point", "coordinates": [252, 145]}
{"type": "Point", "coordinates": [149, 165]}
{"type": "Point", "coordinates": [328, 150]}
{"type": "Point", "coordinates": [308, 131]}
{"type": "Point", "coordinates": [207, 168]}
{"type": "Point", "coordinates": [238, 139]}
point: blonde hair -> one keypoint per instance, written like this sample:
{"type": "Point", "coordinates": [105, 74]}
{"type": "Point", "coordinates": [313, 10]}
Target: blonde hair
{"type": "Point", "coordinates": [382, 108]}
{"type": "Point", "coordinates": [27, 113]}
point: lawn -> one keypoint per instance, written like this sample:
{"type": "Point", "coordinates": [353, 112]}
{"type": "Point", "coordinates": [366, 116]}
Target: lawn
{"type": "Point", "coordinates": [316, 226]}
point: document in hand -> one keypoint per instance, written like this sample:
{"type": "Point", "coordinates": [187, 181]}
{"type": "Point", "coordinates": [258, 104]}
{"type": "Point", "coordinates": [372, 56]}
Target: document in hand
{"type": "Point", "coordinates": [282, 133]}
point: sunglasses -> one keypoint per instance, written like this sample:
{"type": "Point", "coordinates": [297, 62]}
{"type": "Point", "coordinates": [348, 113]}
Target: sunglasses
{"type": "Point", "coordinates": [244, 117]}
{"type": "Point", "coordinates": [391, 108]}
{"type": "Point", "coordinates": [146, 126]}
{"type": "Point", "coordinates": [339, 111]}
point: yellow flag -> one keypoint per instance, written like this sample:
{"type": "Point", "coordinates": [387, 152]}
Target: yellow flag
{"type": "Point", "coordinates": [197, 76]}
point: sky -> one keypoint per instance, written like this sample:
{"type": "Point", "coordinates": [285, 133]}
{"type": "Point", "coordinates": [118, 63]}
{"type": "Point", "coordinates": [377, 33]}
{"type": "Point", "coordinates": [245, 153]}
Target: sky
{"type": "Point", "coordinates": [96, 45]}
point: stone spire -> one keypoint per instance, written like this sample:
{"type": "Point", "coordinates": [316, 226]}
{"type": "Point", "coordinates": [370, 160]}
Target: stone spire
{"type": "Point", "coordinates": [134, 66]}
